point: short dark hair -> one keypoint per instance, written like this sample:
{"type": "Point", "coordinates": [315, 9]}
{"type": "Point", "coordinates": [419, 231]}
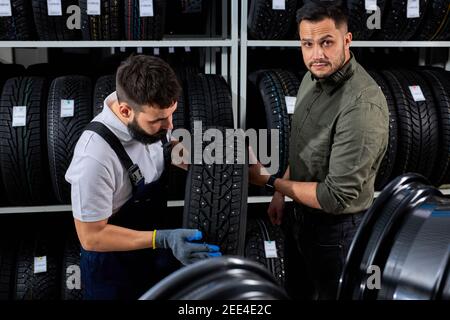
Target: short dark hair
{"type": "Point", "coordinates": [146, 80]}
{"type": "Point", "coordinates": [319, 10]}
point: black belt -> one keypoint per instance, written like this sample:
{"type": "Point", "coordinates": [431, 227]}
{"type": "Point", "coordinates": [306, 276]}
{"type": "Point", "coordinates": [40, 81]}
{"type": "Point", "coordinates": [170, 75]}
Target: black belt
{"type": "Point", "coordinates": [318, 216]}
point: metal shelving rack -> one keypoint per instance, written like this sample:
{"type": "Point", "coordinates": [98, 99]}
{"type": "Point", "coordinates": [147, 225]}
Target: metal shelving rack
{"type": "Point", "coordinates": [234, 51]}
{"type": "Point", "coordinates": [228, 44]}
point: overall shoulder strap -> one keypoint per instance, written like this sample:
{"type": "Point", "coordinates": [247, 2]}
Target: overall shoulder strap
{"type": "Point", "coordinates": [134, 172]}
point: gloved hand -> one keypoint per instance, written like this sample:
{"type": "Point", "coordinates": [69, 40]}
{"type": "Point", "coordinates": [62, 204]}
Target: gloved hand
{"type": "Point", "coordinates": [178, 240]}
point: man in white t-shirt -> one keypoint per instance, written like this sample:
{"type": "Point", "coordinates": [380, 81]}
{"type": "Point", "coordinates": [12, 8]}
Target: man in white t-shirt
{"type": "Point", "coordinates": [118, 195]}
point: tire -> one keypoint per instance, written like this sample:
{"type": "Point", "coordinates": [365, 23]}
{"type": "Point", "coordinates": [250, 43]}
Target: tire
{"type": "Point", "coordinates": [387, 164]}
{"type": "Point", "coordinates": [104, 86]}
{"type": "Point", "coordinates": [7, 267]}
{"type": "Point", "coordinates": [71, 277]}
{"type": "Point", "coordinates": [418, 125]}
{"type": "Point", "coordinates": [39, 286]}
{"type": "Point", "coordinates": [395, 24]}
{"type": "Point", "coordinates": [440, 86]}
{"type": "Point", "coordinates": [53, 27]}
{"type": "Point", "coordinates": [425, 126]}
{"type": "Point", "coordinates": [434, 20]}
{"type": "Point", "coordinates": [145, 28]}
{"type": "Point", "coordinates": [358, 16]}
{"type": "Point", "coordinates": [258, 231]}
{"type": "Point", "coordinates": [273, 97]}
{"type": "Point", "coordinates": [264, 23]}
{"type": "Point", "coordinates": [20, 25]}
{"type": "Point", "coordinates": [216, 199]}
{"type": "Point", "coordinates": [63, 133]}
{"type": "Point", "coordinates": [107, 25]}
{"type": "Point", "coordinates": [10, 71]}
{"type": "Point", "coordinates": [443, 32]}
{"type": "Point", "coordinates": [23, 152]}
{"type": "Point", "coordinates": [209, 101]}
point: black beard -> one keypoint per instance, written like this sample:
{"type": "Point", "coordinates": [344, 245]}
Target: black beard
{"type": "Point", "coordinates": [140, 135]}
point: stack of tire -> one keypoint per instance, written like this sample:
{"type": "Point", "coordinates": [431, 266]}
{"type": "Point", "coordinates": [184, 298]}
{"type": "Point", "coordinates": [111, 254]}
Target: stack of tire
{"type": "Point", "coordinates": [419, 127]}
{"type": "Point", "coordinates": [37, 129]}
{"type": "Point", "coordinates": [38, 262]}
{"type": "Point", "coordinates": [111, 20]}
{"type": "Point", "coordinates": [267, 22]}
{"type": "Point", "coordinates": [401, 249]}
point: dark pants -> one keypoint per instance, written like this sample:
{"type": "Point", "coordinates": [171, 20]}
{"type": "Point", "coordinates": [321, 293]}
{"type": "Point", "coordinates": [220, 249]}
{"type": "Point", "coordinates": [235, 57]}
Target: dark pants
{"type": "Point", "coordinates": [323, 241]}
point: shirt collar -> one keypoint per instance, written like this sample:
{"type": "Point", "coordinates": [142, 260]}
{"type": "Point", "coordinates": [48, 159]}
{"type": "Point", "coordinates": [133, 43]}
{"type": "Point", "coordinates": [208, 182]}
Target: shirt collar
{"type": "Point", "coordinates": [337, 79]}
{"type": "Point", "coordinates": [112, 121]}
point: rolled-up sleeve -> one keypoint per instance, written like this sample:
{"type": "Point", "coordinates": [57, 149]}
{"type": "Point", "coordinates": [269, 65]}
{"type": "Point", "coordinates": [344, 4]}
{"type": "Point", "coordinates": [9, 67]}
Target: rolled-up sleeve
{"type": "Point", "coordinates": [359, 142]}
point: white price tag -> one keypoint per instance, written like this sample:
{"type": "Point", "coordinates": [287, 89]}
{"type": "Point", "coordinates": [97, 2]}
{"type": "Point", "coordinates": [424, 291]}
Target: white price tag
{"type": "Point", "coordinates": [413, 9]}
{"type": "Point", "coordinates": [54, 7]}
{"type": "Point", "coordinates": [271, 249]}
{"type": "Point", "coordinates": [146, 8]}
{"type": "Point", "coordinates": [93, 7]}
{"type": "Point", "coordinates": [5, 8]}
{"type": "Point", "coordinates": [171, 50]}
{"type": "Point", "coordinates": [40, 264]}
{"type": "Point", "coordinates": [19, 116]}
{"type": "Point", "coordinates": [187, 49]}
{"type": "Point", "coordinates": [371, 5]}
{"type": "Point", "coordinates": [290, 104]}
{"type": "Point", "coordinates": [67, 108]}
{"type": "Point", "coordinates": [417, 93]}
{"type": "Point", "coordinates": [279, 4]}
{"type": "Point", "coordinates": [156, 51]}
{"type": "Point", "coordinates": [139, 50]}
{"type": "Point", "coordinates": [122, 49]}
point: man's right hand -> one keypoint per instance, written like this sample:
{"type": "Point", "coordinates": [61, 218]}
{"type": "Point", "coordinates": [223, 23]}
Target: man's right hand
{"type": "Point", "coordinates": [179, 241]}
{"type": "Point", "coordinates": [276, 208]}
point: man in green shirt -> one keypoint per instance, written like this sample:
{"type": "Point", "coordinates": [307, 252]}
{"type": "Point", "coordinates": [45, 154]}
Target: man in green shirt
{"type": "Point", "coordinates": [339, 135]}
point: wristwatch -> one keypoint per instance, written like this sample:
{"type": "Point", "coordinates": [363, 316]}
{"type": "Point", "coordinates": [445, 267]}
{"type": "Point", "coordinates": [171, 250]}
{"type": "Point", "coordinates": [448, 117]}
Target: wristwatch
{"type": "Point", "coordinates": [270, 184]}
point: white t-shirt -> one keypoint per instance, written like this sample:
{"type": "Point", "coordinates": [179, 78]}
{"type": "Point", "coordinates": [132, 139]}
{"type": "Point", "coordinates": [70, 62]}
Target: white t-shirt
{"type": "Point", "coordinates": [100, 184]}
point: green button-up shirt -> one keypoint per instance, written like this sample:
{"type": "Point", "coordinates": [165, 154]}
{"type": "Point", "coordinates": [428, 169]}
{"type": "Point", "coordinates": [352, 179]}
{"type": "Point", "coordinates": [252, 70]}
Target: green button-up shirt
{"type": "Point", "coordinates": [340, 131]}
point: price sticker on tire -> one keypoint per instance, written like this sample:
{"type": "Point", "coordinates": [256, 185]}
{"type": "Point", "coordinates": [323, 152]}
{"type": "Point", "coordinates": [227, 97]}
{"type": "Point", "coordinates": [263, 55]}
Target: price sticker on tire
{"type": "Point", "coordinates": [5, 8]}
{"type": "Point", "coordinates": [371, 5]}
{"type": "Point", "coordinates": [67, 108]}
{"type": "Point", "coordinates": [279, 4]}
{"type": "Point", "coordinates": [413, 9]}
{"type": "Point", "coordinates": [40, 264]}
{"type": "Point", "coordinates": [93, 7]}
{"type": "Point", "coordinates": [146, 8]}
{"type": "Point", "coordinates": [417, 94]}
{"type": "Point", "coordinates": [54, 7]}
{"type": "Point", "coordinates": [19, 116]}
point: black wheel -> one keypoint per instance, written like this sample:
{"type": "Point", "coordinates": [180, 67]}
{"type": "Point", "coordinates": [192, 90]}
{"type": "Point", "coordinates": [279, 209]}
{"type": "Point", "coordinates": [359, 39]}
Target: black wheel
{"type": "Point", "coordinates": [272, 91]}
{"type": "Point", "coordinates": [104, 86]}
{"type": "Point", "coordinates": [387, 164]}
{"type": "Point", "coordinates": [434, 21]}
{"type": "Point", "coordinates": [54, 27]}
{"type": "Point", "coordinates": [440, 85]}
{"type": "Point", "coordinates": [64, 132]}
{"type": "Point", "coordinates": [210, 279]}
{"type": "Point", "coordinates": [8, 251]}
{"type": "Point", "coordinates": [216, 195]}
{"type": "Point", "coordinates": [209, 101]}
{"type": "Point", "coordinates": [71, 288]}
{"type": "Point", "coordinates": [396, 25]}
{"type": "Point", "coordinates": [44, 285]}
{"type": "Point", "coordinates": [20, 25]}
{"type": "Point", "coordinates": [265, 23]}
{"type": "Point", "coordinates": [23, 151]}
{"type": "Point", "coordinates": [144, 28]}
{"type": "Point", "coordinates": [107, 25]}
{"type": "Point", "coordinates": [258, 232]}
{"type": "Point", "coordinates": [358, 17]}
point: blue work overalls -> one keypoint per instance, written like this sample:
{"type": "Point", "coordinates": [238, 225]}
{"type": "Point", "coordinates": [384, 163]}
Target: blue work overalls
{"type": "Point", "coordinates": [127, 275]}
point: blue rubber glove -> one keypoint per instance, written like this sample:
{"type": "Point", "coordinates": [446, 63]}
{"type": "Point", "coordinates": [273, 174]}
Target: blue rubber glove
{"type": "Point", "coordinates": [179, 241]}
